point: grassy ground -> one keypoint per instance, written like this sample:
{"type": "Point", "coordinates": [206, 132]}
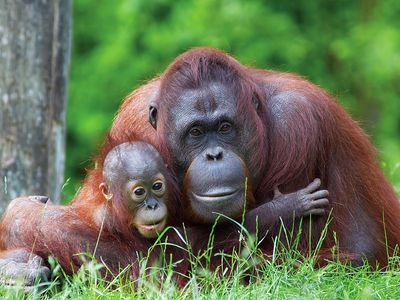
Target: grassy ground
{"type": "Point", "coordinates": [284, 275]}
{"type": "Point", "coordinates": [286, 281]}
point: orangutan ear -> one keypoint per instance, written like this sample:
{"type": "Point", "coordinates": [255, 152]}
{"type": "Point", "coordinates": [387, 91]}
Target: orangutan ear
{"type": "Point", "coordinates": [153, 116]}
{"type": "Point", "coordinates": [104, 190]}
{"type": "Point", "coordinates": [256, 102]}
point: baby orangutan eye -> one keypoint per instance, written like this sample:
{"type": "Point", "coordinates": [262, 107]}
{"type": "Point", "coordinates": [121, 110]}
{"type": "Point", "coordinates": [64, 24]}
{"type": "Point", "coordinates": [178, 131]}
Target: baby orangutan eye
{"type": "Point", "coordinates": [157, 186]}
{"type": "Point", "coordinates": [139, 191]}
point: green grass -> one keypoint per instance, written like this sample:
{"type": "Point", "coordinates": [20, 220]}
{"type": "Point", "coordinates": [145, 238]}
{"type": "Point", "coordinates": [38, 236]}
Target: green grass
{"type": "Point", "coordinates": [275, 281]}
{"type": "Point", "coordinates": [286, 274]}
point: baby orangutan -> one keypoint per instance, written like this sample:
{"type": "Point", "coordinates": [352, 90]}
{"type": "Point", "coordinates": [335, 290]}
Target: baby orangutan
{"type": "Point", "coordinates": [135, 184]}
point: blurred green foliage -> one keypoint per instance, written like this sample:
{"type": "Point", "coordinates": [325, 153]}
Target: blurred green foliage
{"type": "Point", "coordinates": [350, 48]}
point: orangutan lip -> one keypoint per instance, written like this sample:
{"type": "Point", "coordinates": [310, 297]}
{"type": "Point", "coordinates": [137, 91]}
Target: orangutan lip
{"type": "Point", "coordinates": [151, 226]}
{"type": "Point", "coordinates": [221, 196]}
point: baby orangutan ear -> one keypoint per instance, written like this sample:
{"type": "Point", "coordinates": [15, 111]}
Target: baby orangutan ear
{"type": "Point", "coordinates": [104, 190]}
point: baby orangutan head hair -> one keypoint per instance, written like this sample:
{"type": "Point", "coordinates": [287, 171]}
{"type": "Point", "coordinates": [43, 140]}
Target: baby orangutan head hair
{"type": "Point", "coordinates": [135, 182]}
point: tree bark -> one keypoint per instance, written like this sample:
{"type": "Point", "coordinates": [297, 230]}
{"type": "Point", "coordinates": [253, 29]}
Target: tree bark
{"type": "Point", "coordinates": [34, 63]}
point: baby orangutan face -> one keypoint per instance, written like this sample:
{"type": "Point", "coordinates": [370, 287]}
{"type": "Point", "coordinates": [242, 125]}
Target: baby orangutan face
{"type": "Point", "coordinates": [146, 201]}
{"type": "Point", "coordinates": [133, 173]}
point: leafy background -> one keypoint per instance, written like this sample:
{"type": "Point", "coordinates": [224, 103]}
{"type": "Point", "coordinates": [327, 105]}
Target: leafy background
{"type": "Point", "coordinates": [350, 48]}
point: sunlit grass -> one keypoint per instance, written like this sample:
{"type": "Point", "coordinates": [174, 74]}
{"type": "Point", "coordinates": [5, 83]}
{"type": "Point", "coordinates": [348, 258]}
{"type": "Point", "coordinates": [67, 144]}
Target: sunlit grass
{"type": "Point", "coordinates": [286, 280]}
{"type": "Point", "coordinates": [243, 274]}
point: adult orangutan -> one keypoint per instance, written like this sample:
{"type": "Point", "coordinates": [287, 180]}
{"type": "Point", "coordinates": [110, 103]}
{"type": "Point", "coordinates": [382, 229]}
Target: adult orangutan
{"type": "Point", "coordinates": [217, 122]}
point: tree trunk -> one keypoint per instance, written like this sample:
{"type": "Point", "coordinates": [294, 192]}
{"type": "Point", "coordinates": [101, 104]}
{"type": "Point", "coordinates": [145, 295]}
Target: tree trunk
{"type": "Point", "coordinates": [34, 63]}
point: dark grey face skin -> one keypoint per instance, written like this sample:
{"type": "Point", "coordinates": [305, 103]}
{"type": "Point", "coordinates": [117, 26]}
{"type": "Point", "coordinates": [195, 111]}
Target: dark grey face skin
{"type": "Point", "coordinates": [135, 171]}
{"type": "Point", "coordinates": [216, 184]}
{"type": "Point", "coordinates": [205, 141]}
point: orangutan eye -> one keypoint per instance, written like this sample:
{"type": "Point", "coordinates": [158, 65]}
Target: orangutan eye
{"type": "Point", "coordinates": [139, 191]}
{"type": "Point", "coordinates": [157, 186]}
{"type": "Point", "coordinates": [196, 131]}
{"type": "Point", "coordinates": [225, 127]}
